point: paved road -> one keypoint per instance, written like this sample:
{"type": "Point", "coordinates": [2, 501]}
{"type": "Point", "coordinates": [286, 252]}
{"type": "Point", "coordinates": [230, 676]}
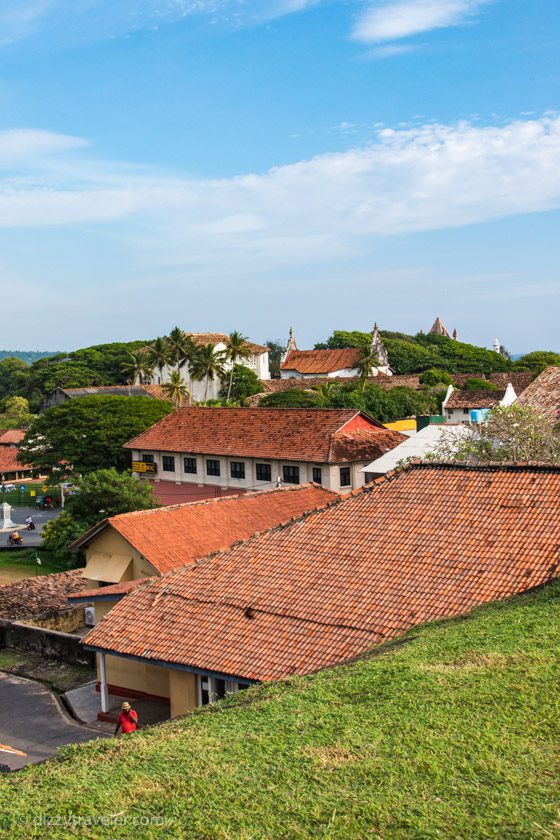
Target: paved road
{"type": "Point", "coordinates": [32, 721]}
{"type": "Point", "coordinates": [40, 518]}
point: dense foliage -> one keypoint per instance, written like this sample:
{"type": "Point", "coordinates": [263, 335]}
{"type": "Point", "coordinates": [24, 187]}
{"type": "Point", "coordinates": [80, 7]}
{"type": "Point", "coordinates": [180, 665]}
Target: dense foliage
{"type": "Point", "coordinates": [28, 356]}
{"type": "Point", "coordinates": [100, 494]}
{"type": "Point", "coordinates": [422, 352]}
{"type": "Point", "coordinates": [383, 405]}
{"type": "Point", "coordinates": [451, 735]}
{"type": "Point", "coordinates": [511, 434]}
{"type": "Point", "coordinates": [244, 383]}
{"type": "Point", "coordinates": [88, 433]}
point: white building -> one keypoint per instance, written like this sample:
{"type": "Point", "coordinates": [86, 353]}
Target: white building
{"type": "Point", "coordinates": [209, 389]}
{"type": "Point", "coordinates": [457, 405]}
{"type": "Point", "coordinates": [243, 449]}
{"type": "Point", "coordinates": [342, 362]}
{"type": "Point", "coordinates": [416, 446]}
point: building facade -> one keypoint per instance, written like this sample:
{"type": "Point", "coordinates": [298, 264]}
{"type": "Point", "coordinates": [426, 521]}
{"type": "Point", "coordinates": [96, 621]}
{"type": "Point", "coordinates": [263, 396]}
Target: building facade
{"type": "Point", "coordinates": [336, 363]}
{"type": "Point", "coordinates": [457, 405]}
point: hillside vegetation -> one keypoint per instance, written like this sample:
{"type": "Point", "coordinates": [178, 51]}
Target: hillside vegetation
{"type": "Point", "coordinates": [452, 734]}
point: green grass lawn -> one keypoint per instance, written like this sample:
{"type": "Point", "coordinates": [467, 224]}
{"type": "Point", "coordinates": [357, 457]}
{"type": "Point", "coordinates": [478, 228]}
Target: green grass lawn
{"type": "Point", "coordinates": [24, 498]}
{"type": "Point", "coordinates": [452, 735]}
{"type": "Point", "coordinates": [15, 565]}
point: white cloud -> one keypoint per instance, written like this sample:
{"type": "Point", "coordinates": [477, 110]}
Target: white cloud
{"type": "Point", "coordinates": [401, 18]}
{"type": "Point", "coordinates": [24, 144]}
{"type": "Point", "coordinates": [424, 178]}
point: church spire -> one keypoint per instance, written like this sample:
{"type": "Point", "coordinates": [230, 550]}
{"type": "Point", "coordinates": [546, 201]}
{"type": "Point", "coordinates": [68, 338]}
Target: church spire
{"type": "Point", "coordinates": [379, 350]}
{"type": "Point", "coordinates": [291, 342]}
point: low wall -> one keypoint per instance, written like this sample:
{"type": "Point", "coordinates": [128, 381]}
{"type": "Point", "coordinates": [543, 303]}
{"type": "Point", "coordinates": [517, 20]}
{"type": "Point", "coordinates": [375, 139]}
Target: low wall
{"type": "Point", "coordinates": [51, 644]}
{"type": "Point", "coordinates": [65, 621]}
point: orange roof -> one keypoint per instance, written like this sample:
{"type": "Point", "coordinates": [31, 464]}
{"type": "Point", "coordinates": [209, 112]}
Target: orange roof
{"type": "Point", "coordinates": [475, 399]}
{"type": "Point", "coordinates": [321, 361]}
{"type": "Point", "coordinates": [290, 434]}
{"type": "Point", "coordinates": [544, 393]}
{"type": "Point", "coordinates": [11, 437]}
{"type": "Point", "coordinates": [429, 542]}
{"type": "Point", "coordinates": [9, 462]}
{"type": "Point", "coordinates": [222, 338]}
{"type": "Point", "coordinates": [170, 537]}
{"type": "Point", "coordinates": [107, 593]}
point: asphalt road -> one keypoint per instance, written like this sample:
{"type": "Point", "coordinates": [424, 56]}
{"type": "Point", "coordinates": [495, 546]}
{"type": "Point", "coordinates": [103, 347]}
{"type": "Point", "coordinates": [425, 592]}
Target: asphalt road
{"type": "Point", "coordinates": [32, 721]}
{"type": "Point", "coordinates": [40, 518]}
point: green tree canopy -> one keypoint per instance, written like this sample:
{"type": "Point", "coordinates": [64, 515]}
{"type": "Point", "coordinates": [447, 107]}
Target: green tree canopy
{"type": "Point", "coordinates": [295, 398]}
{"type": "Point", "coordinates": [244, 383]}
{"type": "Point", "coordinates": [476, 384]}
{"type": "Point", "coordinates": [88, 433]}
{"type": "Point", "coordinates": [101, 494]}
{"type": "Point", "coordinates": [538, 360]}
{"type": "Point", "coordinates": [14, 377]}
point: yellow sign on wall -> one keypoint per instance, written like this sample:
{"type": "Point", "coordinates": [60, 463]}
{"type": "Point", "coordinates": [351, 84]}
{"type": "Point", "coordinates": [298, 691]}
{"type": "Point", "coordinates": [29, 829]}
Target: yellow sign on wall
{"type": "Point", "coordinates": [143, 467]}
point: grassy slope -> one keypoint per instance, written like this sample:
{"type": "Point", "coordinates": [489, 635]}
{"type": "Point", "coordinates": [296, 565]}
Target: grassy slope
{"type": "Point", "coordinates": [452, 735]}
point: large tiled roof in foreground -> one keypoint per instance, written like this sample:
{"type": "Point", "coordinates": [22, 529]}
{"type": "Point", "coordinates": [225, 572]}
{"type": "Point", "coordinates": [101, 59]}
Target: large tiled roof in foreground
{"type": "Point", "coordinates": [430, 542]}
{"type": "Point", "coordinates": [290, 434]}
{"type": "Point", "coordinates": [171, 537]}
{"type": "Point", "coordinates": [321, 361]}
{"type": "Point", "coordinates": [544, 393]}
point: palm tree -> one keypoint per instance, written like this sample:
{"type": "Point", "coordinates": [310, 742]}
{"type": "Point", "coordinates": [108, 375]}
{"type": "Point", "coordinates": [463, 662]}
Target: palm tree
{"type": "Point", "coordinates": [137, 369]}
{"type": "Point", "coordinates": [176, 389]}
{"type": "Point", "coordinates": [326, 392]}
{"type": "Point", "coordinates": [159, 356]}
{"type": "Point", "coordinates": [368, 360]}
{"type": "Point", "coordinates": [181, 347]}
{"type": "Point", "coordinates": [236, 349]}
{"type": "Point", "coordinates": [207, 364]}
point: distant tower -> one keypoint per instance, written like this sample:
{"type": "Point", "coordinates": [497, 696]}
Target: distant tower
{"type": "Point", "coordinates": [455, 334]}
{"type": "Point", "coordinates": [497, 347]}
{"type": "Point", "coordinates": [438, 328]}
{"type": "Point", "coordinates": [290, 346]}
{"type": "Point", "coordinates": [379, 350]}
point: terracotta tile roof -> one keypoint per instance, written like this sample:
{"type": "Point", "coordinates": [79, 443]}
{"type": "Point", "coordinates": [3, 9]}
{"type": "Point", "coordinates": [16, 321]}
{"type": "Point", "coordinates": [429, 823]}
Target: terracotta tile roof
{"type": "Point", "coordinates": [11, 437]}
{"type": "Point", "coordinates": [106, 593]}
{"type": "Point", "coordinates": [321, 361]}
{"type": "Point", "coordinates": [39, 595]}
{"type": "Point", "coordinates": [475, 399]}
{"type": "Point", "coordinates": [290, 434]}
{"type": "Point", "coordinates": [544, 393]}
{"type": "Point", "coordinates": [273, 386]}
{"type": "Point", "coordinates": [9, 462]}
{"type": "Point", "coordinates": [426, 543]}
{"type": "Point", "coordinates": [171, 537]}
{"type": "Point", "coordinates": [221, 338]}
{"type": "Point", "coordinates": [170, 493]}
{"type": "Point", "coordinates": [110, 391]}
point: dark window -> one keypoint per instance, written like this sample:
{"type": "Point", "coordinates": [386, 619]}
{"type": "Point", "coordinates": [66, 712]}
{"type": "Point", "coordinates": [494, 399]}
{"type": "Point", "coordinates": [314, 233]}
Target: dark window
{"type": "Point", "coordinates": [466, 411]}
{"type": "Point", "coordinates": [168, 463]}
{"type": "Point", "coordinates": [345, 477]}
{"type": "Point", "coordinates": [237, 469]}
{"type": "Point", "coordinates": [190, 466]}
{"type": "Point", "coordinates": [317, 475]}
{"type": "Point", "coordinates": [264, 472]}
{"type": "Point", "coordinates": [368, 477]}
{"type": "Point", "coordinates": [147, 458]}
{"type": "Point", "coordinates": [213, 467]}
{"type": "Point", "coordinates": [291, 475]}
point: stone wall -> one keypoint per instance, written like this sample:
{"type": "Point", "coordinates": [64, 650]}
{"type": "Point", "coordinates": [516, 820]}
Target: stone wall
{"type": "Point", "coordinates": [41, 641]}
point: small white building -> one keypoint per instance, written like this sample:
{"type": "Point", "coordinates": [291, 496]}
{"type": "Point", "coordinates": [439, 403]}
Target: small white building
{"type": "Point", "coordinates": [457, 405]}
{"type": "Point", "coordinates": [204, 389]}
{"type": "Point", "coordinates": [336, 363]}
{"type": "Point", "coordinates": [416, 446]}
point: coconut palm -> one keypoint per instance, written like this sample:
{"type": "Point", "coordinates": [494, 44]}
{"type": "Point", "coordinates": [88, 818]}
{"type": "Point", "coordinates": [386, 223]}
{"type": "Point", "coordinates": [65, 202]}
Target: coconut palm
{"type": "Point", "coordinates": [137, 369]}
{"type": "Point", "coordinates": [176, 389]}
{"type": "Point", "coordinates": [326, 392]}
{"type": "Point", "coordinates": [159, 355]}
{"type": "Point", "coordinates": [207, 363]}
{"type": "Point", "coordinates": [236, 349]}
{"type": "Point", "coordinates": [181, 347]}
{"type": "Point", "coordinates": [368, 360]}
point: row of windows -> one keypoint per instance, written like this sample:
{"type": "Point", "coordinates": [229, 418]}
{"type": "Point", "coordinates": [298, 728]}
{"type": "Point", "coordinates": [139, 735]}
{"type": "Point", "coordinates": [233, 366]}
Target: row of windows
{"type": "Point", "coordinates": [290, 474]}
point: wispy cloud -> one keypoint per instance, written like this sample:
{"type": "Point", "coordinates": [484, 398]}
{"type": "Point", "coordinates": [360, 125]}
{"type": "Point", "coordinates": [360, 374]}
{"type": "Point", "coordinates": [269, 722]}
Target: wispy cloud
{"type": "Point", "coordinates": [402, 18]}
{"type": "Point", "coordinates": [67, 20]}
{"type": "Point", "coordinates": [405, 180]}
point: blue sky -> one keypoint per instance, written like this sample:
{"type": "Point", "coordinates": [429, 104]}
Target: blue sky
{"type": "Point", "coordinates": [246, 164]}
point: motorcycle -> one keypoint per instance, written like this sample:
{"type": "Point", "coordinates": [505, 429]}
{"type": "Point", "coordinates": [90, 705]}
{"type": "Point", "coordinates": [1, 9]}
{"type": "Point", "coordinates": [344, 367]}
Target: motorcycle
{"type": "Point", "coordinates": [30, 526]}
{"type": "Point", "coordinates": [14, 541]}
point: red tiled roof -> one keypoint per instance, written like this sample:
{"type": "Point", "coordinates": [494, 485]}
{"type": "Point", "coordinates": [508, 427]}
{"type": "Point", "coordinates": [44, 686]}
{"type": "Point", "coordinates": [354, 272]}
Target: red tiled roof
{"type": "Point", "coordinates": [11, 437]}
{"type": "Point", "coordinates": [170, 493]}
{"type": "Point", "coordinates": [39, 595]}
{"type": "Point", "coordinates": [107, 593]}
{"type": "Point", "coordinates": [321, 361]}
{"type": "Point", "coordinates": [222, 338]}
{"type": "Point", "coordinates": [9, 462]}
{"type": "Point", "coordinates": [544, 393]}
{"type": "Point", "coordinates": [290, 434]}
{"type": "Point", "coordinates": [431, 542]}
{"type": "Point", "coordinates": [474, 399]}
{"type": "Point", "coordinates": [171, 537]}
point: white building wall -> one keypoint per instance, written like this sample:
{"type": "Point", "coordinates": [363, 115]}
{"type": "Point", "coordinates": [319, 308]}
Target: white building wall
{"type": "Point", "coordinates": [330, 474]}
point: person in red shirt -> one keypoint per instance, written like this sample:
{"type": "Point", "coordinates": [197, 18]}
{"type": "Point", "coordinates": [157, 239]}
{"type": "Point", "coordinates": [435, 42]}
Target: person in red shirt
{"type": "Point", "coordinates": [127, 719]}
